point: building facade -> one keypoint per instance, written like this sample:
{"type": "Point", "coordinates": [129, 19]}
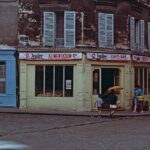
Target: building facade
{"type": "Point", "coordinates": [70, 51]}
{"type": "Point", "coordinates": [8, 43]}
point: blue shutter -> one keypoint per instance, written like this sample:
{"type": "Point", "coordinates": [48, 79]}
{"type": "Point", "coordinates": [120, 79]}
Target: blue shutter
{"type": "Point", "coordinates": [110, 30]}
{"type": "Point", "coordinates": [69, 29]}
{"type": "Point", "coordinates": [105, 30]}
{"type": "Point", "coordinates": [49, 28]}
{"type": "Point", "coordinates": [132, 33]}
{"type": "Point", "coordinates": [101, 30]}
{"type": "Point", "coordinates": [142, 35]}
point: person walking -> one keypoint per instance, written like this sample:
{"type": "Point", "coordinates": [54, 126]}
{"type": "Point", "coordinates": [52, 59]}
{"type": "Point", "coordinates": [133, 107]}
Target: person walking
{"type": "Point", "coordinates": [98, 104]}
{"type": "Point", "coordinates": [138, 98]}
{"type": "Point", "coordinates": [113, 102]}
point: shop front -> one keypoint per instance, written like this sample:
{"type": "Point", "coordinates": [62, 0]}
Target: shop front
{"type": "Point", "coordinates": [7, 77]}
{"type": "Point", "coordinates": [141, 69]}
{"type": "Point", "coordinates": [51, 81]}
{"type": "Point", "coordinates": [72, 81]}
{"type": "Point", "coordinates": [109, 70]}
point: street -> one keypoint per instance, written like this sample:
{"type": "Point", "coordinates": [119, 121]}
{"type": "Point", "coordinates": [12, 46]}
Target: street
{"type": "Point", "coordinates": [50, 132]}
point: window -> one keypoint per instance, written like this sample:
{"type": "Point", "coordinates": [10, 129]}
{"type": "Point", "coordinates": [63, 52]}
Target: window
{"type": "Point", "coordinates": [142, 78]}
{"type": "Point", "coordinates": [59, 29]}
{"type": "Point", "coordinates": [2, 77]}
{"type": "Point", "coordinates": [54, 81]}
{"type": "Point", "coordinates": [105, 30]}
{"type": "Point", "coordinates": [137, 34]}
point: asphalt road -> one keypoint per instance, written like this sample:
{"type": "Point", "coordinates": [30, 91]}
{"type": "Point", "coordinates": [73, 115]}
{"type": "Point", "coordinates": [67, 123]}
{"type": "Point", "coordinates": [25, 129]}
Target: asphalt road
{"type": "Point", "coordinates": [48, 132]}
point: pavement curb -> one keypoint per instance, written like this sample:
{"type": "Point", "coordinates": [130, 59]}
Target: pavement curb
{"type": "Point", "coordinates": [80, 114]}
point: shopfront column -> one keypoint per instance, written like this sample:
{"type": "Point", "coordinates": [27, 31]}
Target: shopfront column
{"type": "Point", "coordinates": [128, 84]}
{"type": "Point", "coordinates": [23, 87]}
{"type": "Point", "coordinates": [79, 87]}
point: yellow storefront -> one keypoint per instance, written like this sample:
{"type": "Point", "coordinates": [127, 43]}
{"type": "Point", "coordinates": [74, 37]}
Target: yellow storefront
{"type": "Point", "coordinates": [110, 70]}
{"type": "Point", "coordinates": [51, 81]}
{"type": "Point", "coordinates": [72, 81]}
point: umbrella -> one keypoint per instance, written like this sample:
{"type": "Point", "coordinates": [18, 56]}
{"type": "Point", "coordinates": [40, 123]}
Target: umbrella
{"type": "Point", "coordinates": [115, 88]}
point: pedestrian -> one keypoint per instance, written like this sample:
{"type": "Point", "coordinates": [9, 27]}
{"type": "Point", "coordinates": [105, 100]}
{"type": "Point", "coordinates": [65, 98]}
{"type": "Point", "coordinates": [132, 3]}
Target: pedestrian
{"type": "Point", "coordinates": [113, 102]}
{"type": "Point", "coordinates": [138, 98]}
{"type": "Point", "coordinates": [98, 104]}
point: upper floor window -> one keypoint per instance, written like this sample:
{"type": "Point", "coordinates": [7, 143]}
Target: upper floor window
{"type": "Point", "coordinates": [137, 34]}
{"type": "Point", "coordinates": [59, 29]}
{"type": "Point", "coordinates": [105, 30]}
{"type": "Point", "coordinates": [2, 77]}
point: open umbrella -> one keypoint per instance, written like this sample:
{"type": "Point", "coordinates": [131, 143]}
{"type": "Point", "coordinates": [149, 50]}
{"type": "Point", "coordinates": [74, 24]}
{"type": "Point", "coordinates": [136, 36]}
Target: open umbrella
{"type": "Point", "coordinates": [115, 88]}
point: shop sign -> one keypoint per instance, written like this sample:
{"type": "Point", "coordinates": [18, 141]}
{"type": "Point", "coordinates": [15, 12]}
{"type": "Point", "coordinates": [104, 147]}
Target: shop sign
{"type": "Point", "coordinates": [108, 57]}
{"type": "Point", "coordinates": [50, 56]}
{"type": "Point", "coordinates": [144, 59]}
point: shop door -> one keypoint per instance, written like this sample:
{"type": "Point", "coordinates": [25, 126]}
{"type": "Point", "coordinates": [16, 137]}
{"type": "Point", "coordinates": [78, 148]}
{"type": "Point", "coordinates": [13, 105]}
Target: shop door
{"type": "Point", "coordinates": [103, 78]}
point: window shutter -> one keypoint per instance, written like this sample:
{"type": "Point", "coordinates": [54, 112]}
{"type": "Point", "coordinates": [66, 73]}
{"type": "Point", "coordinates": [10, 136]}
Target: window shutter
{"type": "Point", "coordinates": [142, 35]}
{"type": "Point", "coordinates": [101, 30]}
{"type": "Point", "coordinates": [106, 30]}
{"type": "Point", "coordinates": [69, 28]}
{"type": "Point", "coordinates": [132, 33]}
{"type": "Point", "coordinates": [49, 28]}
{"type": "Point", "coordinates": [149, 36]}
{"type": "Point", "coordinates": [110, 30]}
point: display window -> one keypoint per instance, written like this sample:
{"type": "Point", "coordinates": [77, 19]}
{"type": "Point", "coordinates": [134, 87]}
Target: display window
{"type": "Point", "coordinates": [142, 78]}
{"type": "Point", "coordinates": [54, 81]}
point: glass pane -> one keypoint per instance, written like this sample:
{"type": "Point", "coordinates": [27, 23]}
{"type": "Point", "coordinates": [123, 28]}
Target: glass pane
{"type": "Point", "coordinates": [2, 87]}
{"type": "Point", "coordinates": [39, 81]}
{"type": "Point", "coordinates": [141, 77]}
{"type": "Point", "coordinates": [136, 76]}
{"type": "Point", "coordinates": [48, 80]}
{"type": "Point", "coordinates": [96, 81]}
{"type": "Point", "coordinates": [69, 81]}
{"type": "Point", "coordinates": [59, 81]}
{"type": "Point", "coordinates": [145, 81]}
{"type": "Point", "coordinates": [2, 69]}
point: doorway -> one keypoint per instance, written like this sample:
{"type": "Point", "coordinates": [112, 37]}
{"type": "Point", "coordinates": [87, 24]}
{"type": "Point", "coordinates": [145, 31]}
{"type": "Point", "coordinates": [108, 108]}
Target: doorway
{"type": "Point", "coordinates": [104, 78]}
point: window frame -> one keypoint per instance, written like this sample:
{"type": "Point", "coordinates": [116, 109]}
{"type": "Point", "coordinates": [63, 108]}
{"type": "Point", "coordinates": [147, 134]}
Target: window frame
{"type": "Point", "coordinates": [64, 89]}
{"type": "Point", "coordinates": [137, 30]}
{"type": "Point", "coordinates": [50, 38]}
{"type": "Point", "coordinates": [142, 75]}
{"type": "Point", "coordinates": [3, 79]}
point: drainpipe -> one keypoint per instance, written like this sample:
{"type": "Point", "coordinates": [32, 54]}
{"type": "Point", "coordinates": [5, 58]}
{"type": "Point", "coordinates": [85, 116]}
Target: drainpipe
{"type": "Point", "coordinates": [16, 55]}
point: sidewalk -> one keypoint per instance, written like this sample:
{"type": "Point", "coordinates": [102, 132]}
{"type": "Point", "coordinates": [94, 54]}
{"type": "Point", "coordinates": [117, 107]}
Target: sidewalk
{"type": "Point", "coordinates": [118, 113]}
